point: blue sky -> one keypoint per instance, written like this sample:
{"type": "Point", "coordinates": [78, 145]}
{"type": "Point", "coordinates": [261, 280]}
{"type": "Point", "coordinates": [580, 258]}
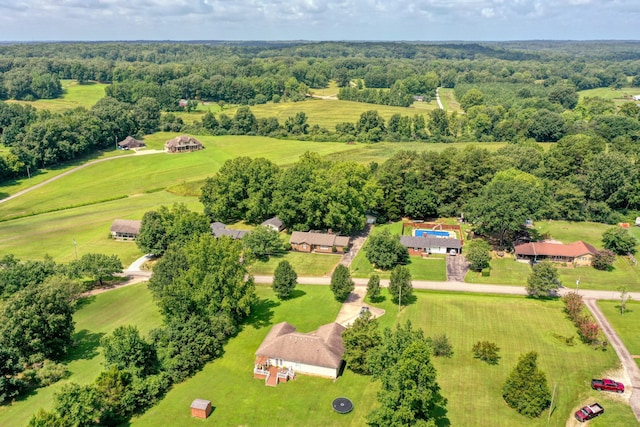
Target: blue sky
{"type": "Point", "coordinates": [28, 20]}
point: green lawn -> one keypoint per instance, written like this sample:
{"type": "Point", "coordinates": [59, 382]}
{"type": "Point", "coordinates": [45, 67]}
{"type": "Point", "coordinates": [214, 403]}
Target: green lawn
{"type": "Point", "coordinates": [505, 271]}
{"type": "Point", "coordinates": [471, 387]}
{"type": "Point", "coordinates": [96, 317]}
{"type": "Point", "coordinates": [304, 264]}
{"type": "Point", "coordinates": [54, 233]}
{"type": "Point", "coordinates": [74, 95]}
{"type": "Point", "coordinates": [626, 325]}
{"type": "Point", "coordinates": [432, 268]}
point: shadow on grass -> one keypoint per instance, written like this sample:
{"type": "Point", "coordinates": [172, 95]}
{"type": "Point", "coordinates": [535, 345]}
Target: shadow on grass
{"type": "Point", "coordinates": [83, 302]}
{"type": "Point", "coordinates": [440, 415]}
{"type": "Point", "coordinates": [623, 310]}
{"type": "Point", "coordinates": [262, 313]}
{"type": "Point", "coordinates": [296, 293]}
{"type": "Point", "coordinates": [86, 345]}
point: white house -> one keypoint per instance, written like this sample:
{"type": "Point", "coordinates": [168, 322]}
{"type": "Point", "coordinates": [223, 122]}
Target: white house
{"type": "Point", "coordinates": [285, 353]}
{"type": "Point", "coordinates": [274, 223]}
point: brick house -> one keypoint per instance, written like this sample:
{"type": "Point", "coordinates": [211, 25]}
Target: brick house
{"type": "Point", "coordinates": [304, 241]}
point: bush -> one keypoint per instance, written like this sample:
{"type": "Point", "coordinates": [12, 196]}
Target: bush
{"type": "Point", "coordinates": [441, 346]}
{"type": "Point", "coordinates": [603, 260]}
{"type": "Point", "coordinates": [487, 352]}
{"type": "Point", "coordinates": [51, 372]}
{"type": "Point", "coordinates": [619, 241]}
{"type": "Point", "coordinates": [486, 272]}
{"type": "Point", "coordinates": [477, 253]}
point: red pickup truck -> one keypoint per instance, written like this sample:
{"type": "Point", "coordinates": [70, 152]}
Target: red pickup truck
{"type": "Point", "coordinates": [589, 412]}
{"type": "Point", "coordinates": [607, 385]}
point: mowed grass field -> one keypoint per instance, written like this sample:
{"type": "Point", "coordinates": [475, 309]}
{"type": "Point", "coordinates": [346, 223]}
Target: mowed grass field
{"type": "Point", "coordinates": [96, 317]}
{"type": "Point", "coordinates": [506, 271]}
{"type": "Point", "coordinates": [74, 95]}
{"type": "Point", "coordinates": [313, 265]}
{"type": "Point", "coordinates": [473, 388]}
{"type": "Point", "coordinates": [448, 99]}
{"type": "Point", "coordinates": [327, 113]}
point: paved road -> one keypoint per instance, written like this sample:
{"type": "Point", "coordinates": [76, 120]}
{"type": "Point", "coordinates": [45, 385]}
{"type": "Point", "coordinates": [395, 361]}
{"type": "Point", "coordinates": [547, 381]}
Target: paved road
{"type": "Point", "coordinates": [70, 171]}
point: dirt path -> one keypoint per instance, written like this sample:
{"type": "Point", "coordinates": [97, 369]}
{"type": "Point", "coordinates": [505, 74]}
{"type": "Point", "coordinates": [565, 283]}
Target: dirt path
{"type": "Point", "coordinates": [438, 98]}
{"type": "Point", "coordinates": [623, 354]}
{"type": "Point", "coordinates": [70, 171]}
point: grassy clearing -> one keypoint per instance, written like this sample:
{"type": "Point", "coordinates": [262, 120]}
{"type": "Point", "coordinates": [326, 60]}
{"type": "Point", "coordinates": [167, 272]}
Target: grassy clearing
{"type": "Point", "coordinates": [472, 387]}
{"type": "Point", "coordinates": [432, 268]}
{"type": "Point", "coordinates": [304, 264]}
{"type": "Point", "coordinates": [96, 317]}
{"type": "Point", "coordinates": [53, 233]}
{"type": "Point", "coordinates": [379, 152]}
{"type": "Point", "coordinates": [626, 325]}
{"type": "Point", "coordinates": [448, 99]}
{"type": "Point", "coordinates": [618, 96]}
{"type": "Point", "coordinates": [74, 95]}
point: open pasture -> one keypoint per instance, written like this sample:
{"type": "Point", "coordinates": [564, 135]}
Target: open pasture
{"type": "Point", "coordinates": [327, 113]}
{"type": "Point", "coordinates": [74, 95]}
{"type": "Point", "coordinates": [96, 317]}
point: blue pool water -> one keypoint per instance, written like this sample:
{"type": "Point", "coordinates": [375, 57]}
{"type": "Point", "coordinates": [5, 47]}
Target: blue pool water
{"type": "Point", "coordinates": [420, 233]}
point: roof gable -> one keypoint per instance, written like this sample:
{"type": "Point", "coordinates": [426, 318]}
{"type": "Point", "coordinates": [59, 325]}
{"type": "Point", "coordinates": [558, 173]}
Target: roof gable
{"type": "Point", "coordinates": [323, 347]}
{"type": "Point", "coordinates": [129, 226]}
{"type": "Point", "coordinates": [318, 239]}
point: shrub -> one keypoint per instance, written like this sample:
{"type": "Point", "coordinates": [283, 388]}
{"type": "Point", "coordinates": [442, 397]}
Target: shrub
{"type": "Point", "coordinates": [603, 260]}
{"type": "Point", "coordinates": [486, 272]}
{"type": "Point", "coordinates": [487, 352]}
{"type": "Point", "coordinates": [526, 387]}
{"type": "Point", "coordinates": [441, 346]}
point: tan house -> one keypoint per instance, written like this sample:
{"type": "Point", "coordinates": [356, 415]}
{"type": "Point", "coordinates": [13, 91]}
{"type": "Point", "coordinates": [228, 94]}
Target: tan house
{"type": "Point", "coordinates": [125, 229]}
{"type": "Point", "coordinates": [130, 143]}
{"type": "Point", "coordinates": [285, 353]}
{"type": "Point", "coordinates": [304, 241]}
{"type": "Point", "coordinates": [577, 253]}
{"type": "Point", "coordinates": [183, 144]}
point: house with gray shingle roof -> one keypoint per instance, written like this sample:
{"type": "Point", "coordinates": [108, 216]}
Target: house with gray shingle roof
{"type": "Point", "coordinates": [125, 229]}
{"type": "Point", "coordinates": [219, 229]}
{"type": "Point", "coordinates": [274, 223]}
{"type": "Point", "coordinates": [316, 353]}
{"type": "Point", "coordinates": [423, 245]}
{"type": "Point", "coordinates": [304, 241]}
{"type": "Point", "coordinates": [183, 144]}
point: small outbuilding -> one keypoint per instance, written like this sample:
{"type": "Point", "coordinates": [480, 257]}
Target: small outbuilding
{"type": "Point", "coordinates": [201, 408]}
{"type": "Point", "coordinates": [274, 223]}
{"type": "Point", "coordinates": [183, 144]}
{"type": "Point", "coordinates": [130, 143]}
{"type": "Point", "coordinates": [125, 229]}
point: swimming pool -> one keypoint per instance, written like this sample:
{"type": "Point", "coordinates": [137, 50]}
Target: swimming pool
{"type": "Point", "coordinates": [435, 233]}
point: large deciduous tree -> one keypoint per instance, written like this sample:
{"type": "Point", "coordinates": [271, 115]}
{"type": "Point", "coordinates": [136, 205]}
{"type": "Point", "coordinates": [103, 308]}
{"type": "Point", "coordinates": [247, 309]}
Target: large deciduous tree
{"type": "Point", "coordinates": [410, 394]}
{"type": "Point", "coordinates": [262, 242]}
{"type": "Point", "coordinates": [99, 266]}
{"type": "Point", "coordinates": [341, 283]}
{"type": "Point", "coordinates": [543, 280]}
{"type": "Point", "coordinates": [385, 251]}
{"type": "Point", "coordinates": [506, 202]}
{"type": "Point", "coordinates": [526, 388]}
{"type": "Point", "coordinates": [619, 241]}
{"type": "Point", "coordinates": [126, 349]}
{"type": "Point", "coordinates": [37, 322]}
{"type": "Point", "coordinates": [478, 254]}
{"type": "Point", "coordinates": [359, 339]}
{"type": "Point", "coordinates": [10, 382]}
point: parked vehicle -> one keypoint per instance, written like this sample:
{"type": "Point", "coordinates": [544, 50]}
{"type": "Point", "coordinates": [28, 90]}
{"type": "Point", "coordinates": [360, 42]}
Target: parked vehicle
{"type": "Point", "coordinates": [607, 385]}
{"type": "Point", "coordinates": [589, 412]}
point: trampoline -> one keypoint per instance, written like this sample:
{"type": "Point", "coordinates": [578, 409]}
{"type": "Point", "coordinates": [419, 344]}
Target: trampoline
{"type": "Point", "coordinates": [342, 405]}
